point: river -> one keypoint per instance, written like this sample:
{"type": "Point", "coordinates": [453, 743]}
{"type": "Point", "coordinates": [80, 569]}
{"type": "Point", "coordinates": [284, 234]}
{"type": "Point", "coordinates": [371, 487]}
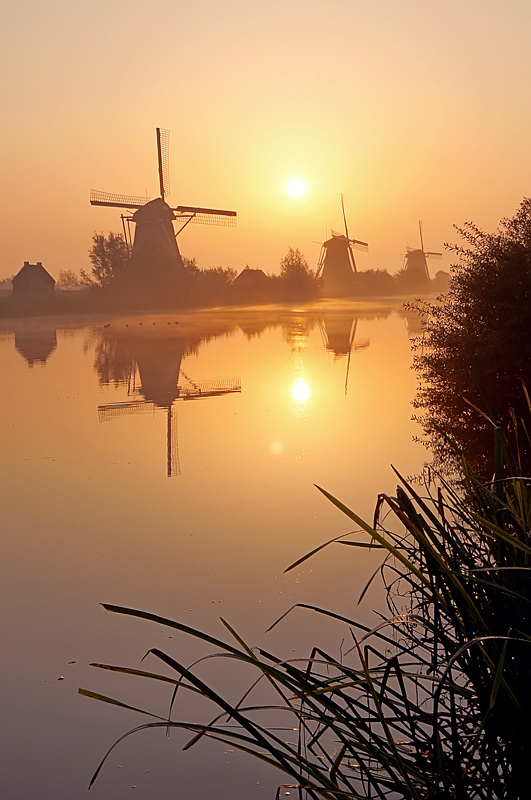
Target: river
{"type": "Point", "coordinates": [167, 462]}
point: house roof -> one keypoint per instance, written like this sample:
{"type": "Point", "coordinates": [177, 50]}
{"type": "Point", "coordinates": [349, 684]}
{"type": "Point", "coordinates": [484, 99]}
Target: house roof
{"type": "Point", "coordinates": [34, 273]}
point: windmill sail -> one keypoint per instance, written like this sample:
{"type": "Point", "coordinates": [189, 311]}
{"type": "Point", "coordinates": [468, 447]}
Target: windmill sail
{"type": "Point", "coordinates": [207, 216]}
{"type": "Point", "coordinates": [163, 154]}
{"type": "Point", "coordinates": [98, 198]}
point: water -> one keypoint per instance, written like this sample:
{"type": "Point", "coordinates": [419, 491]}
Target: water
{"type": "Point", "coordinates": [246, 410]}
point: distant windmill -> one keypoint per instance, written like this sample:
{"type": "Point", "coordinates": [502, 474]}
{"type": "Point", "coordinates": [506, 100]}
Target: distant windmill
{"type": "Point", "coordinates": [336, 265]}
{"type": "Point", "coordinates": [162, 384]}
{"type": "Point", "coordinates": [416, 260]}
{"type": "Point", "coordinates": [155, 243]}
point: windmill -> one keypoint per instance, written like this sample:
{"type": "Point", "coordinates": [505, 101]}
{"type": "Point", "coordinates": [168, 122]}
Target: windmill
{"type": "Point", "coordinates": [336, 265]}
{"type": "Point", "coordinates": [162, 384]}
{"type": "Point", "coordinates": [416, 260]}
{"type": "Point", "coordinates": [154, 245]}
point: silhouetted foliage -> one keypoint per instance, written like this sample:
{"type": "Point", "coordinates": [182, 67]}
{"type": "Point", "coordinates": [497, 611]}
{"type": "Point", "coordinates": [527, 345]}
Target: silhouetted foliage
{"type": "Point", "coordinates": [68, 280]}
{"type": "Point", "coordinates": [411, 280]}
{"type": "Point", "coordinates": [208, 286]}
{"type": "Point", "coordinates": [109, 256]}
{"type": "Point", "coordinates": [374, 283]}
{"type": "Point", "coordinates": [441, 282]}
{"type": "Point", "coordinates": [476, 341]}
{"type": "Point", "coordinates": [297, 279]}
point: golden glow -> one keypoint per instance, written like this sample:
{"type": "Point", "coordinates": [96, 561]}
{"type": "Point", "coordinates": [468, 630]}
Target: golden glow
{"type": "Point", "coordinates": [296, 187]}
{"type": "Point", "coordinates": [276, 448]}
{"type": "Point", "coordinates": [462, 153]}
{"type": "Point", "coordinates": [300, 391]}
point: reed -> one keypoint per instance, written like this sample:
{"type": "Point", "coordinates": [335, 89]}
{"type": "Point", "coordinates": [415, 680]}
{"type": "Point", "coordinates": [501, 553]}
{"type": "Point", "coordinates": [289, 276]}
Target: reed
{"type": "Point", "coordinates": [434, 701]}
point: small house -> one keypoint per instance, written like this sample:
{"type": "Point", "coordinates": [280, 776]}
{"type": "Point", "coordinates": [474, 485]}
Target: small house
{"type": "Point", "coordinates": [252, 285]}
{"type": "Point", "coordinates": [33, 279]}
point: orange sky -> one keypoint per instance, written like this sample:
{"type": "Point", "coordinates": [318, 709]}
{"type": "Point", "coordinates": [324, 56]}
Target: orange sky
{"type": "Point", "coordinates": [411, 109]}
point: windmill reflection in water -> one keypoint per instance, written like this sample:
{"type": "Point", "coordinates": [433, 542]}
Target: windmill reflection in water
{"type": "Point", "coordinates": [338, 332]}
{"type": "Point", "coordinates": [162, 382]}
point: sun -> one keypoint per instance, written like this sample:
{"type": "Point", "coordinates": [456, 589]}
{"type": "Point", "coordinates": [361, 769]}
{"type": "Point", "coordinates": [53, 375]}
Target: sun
{"type": "Point", "coordinates": [300, 391]}
{"type": "Point", "coordinates": [296, 187]}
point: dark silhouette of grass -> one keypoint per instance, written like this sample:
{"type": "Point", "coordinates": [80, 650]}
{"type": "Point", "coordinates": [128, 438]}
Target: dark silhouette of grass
{"type": "Point", "coordinates": [434, 701]}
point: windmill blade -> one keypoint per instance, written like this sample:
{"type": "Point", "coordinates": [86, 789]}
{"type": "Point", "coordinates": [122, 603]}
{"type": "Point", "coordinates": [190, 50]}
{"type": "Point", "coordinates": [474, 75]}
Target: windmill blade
{"type": "Point", "coordinates": [207, 216]}
{"type": "Point", "coordinates": [163, 157]}
{"type": "Point", "coordinates": [433, 255]}
{"type": "Point", "coordinates": [116, 200]}
{"type": "Point", "coordinates": [173, 466]}
{"type": "Point", "coordinates": [421, 239]}
{"type": "Point", "coordinates": [344, 216]}
{"type": "Point", "coordinates": [351, 256]}
{"type": "Point", "coordinates": [193, 390]}
{"type": "Point", "coordinates": [112, 410]}
{"type": "Point", "coordinates": [357, 245]}
{"type": "Point", "coordinates": [320, 263]}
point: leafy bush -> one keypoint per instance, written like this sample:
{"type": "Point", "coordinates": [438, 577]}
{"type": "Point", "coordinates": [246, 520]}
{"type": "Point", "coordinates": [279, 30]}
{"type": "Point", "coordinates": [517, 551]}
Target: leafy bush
{"type": "Point", "coordinates": [476, 340]}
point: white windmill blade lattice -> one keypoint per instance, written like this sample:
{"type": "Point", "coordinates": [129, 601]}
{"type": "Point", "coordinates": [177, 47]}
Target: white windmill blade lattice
{"type": "Point", "coordinates": [206, 216]}
{"type": "Point", "coordinates": [163, 151]}
{"type": "Point", "coordinates": [98, 198]}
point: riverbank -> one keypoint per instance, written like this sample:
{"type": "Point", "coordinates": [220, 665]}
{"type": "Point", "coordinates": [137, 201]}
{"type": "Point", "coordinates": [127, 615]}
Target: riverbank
{"type": "Point", "coordinates": [76, 307]}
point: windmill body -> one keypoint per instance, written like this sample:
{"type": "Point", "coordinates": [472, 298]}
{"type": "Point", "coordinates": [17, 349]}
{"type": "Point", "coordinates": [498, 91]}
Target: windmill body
{"type": "Point", "coordinates": [337, 272]}
{"type": "Point", "coordinates": [416, 260]}
{"type": "Point", "coordinates": [337, 267]}
{"type": "Point", "coordinates": [155, 245]}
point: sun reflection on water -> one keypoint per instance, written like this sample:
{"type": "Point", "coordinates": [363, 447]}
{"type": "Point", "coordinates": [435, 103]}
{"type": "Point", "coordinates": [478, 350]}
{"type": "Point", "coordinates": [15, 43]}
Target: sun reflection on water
{"type": "Point", "coordinates": [300, 391]}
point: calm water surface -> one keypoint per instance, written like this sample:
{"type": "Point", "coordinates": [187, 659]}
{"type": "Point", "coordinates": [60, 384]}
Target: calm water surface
{"type": "Point", "coordinates": [171, 467]}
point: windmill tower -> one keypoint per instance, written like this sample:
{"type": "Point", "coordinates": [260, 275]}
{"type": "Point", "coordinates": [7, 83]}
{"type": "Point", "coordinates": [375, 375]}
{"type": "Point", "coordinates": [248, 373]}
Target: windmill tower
{"type": "Point", "coordinates": [336, 265]}
{"type": "Point", "coordinates": [416, 261]}
{"type": "Point", "coordinates": [154, 251]}
{"type": "Point", "coordinates": [162, 384]}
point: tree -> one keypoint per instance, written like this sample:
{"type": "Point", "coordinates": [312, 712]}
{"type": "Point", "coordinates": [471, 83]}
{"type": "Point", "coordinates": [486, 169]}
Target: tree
{"type": "Point", "coordinates": [68, 279]}
{"type": "Point", "coordinates": [109, 256]}
{"type": "Point", "coordinates": [476, 341]}
{"type": "Point", "coordinates": [295, 274]}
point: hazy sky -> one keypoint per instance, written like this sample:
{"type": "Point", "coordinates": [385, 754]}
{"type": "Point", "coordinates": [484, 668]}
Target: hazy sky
{"type": "Point", "coordinates": [411, 109]}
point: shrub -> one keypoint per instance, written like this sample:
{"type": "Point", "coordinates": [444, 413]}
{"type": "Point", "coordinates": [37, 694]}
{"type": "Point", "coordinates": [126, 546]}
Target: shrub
{"type": "Point", "coordinates": [476, 340]}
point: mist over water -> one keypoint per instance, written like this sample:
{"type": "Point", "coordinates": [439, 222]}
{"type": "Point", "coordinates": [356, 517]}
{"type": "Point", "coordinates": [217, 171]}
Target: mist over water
{"type": "Point", "coordinates": [168, 463]}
